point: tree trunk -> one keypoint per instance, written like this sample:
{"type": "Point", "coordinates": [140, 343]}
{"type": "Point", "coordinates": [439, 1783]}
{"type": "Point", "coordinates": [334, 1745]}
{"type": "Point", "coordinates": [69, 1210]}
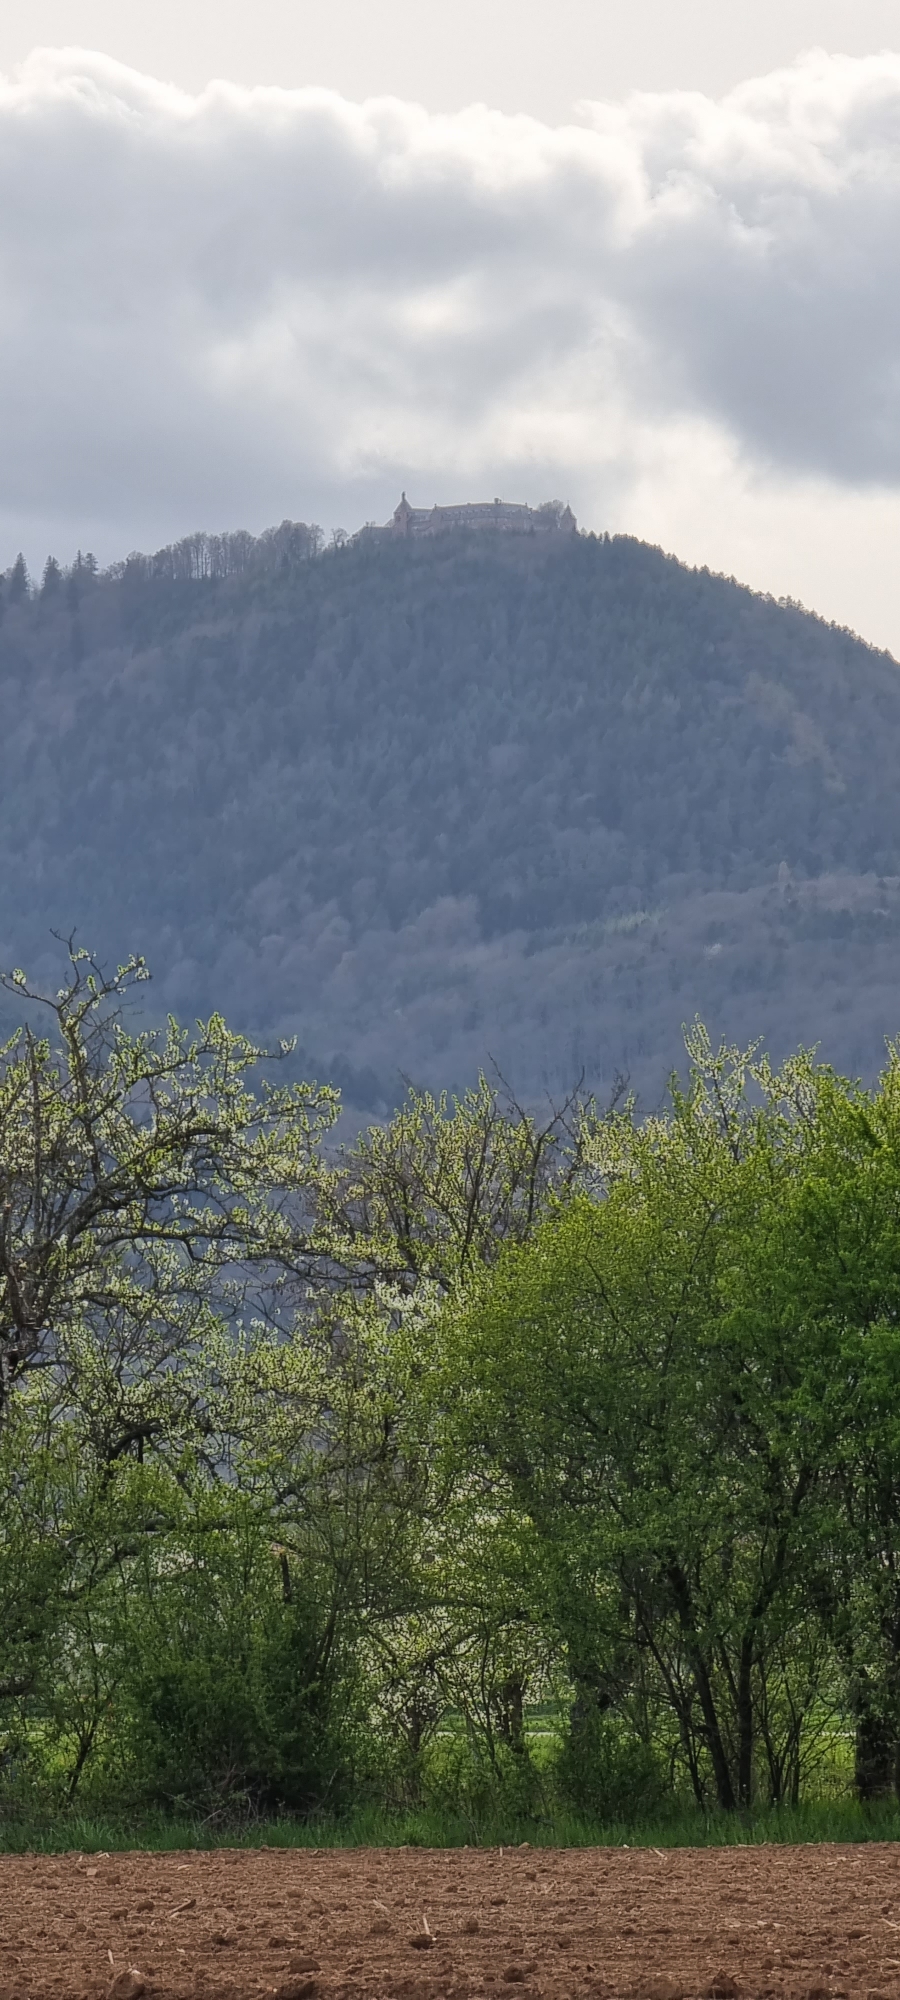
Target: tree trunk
{"type": "Point", "coordinates": [745, 1721]}
{"type": "Point", "coordinates": [712, 1733]}
{"type": "Point", "coordinates": [876, 1757]}
{"type": "Point", "coordinates": [724, 1788]}
{"type": "Point", "coordinates": [512, 1714]}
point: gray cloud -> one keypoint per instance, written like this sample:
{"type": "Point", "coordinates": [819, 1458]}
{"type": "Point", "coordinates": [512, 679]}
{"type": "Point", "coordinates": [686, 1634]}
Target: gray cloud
{"type": "Point", "coordinates": [220, 309]}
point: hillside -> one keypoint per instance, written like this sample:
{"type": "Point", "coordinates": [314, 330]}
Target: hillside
{"type": "Point", "coordinates": [426, 806]}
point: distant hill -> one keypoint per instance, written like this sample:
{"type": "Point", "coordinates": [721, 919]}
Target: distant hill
{"type": "Point", "coordinates": [424, 805]}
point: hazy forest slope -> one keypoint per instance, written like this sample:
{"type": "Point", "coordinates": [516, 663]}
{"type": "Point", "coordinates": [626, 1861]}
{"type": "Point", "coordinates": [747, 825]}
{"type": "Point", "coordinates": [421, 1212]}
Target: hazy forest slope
{"type": "Point", "coordinates": [425, 806]}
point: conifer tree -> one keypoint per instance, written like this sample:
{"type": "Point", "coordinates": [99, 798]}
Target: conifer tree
{"type": "Point", "coordinates": [18, 582]}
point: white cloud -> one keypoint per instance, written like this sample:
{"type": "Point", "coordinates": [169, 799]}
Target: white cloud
{"type": "Point", "coordinates": [682, 314]}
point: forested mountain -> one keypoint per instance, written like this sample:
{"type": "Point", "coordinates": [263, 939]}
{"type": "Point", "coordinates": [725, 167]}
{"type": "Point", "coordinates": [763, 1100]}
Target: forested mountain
{"type": "Point", "coordinates": [531, 800]}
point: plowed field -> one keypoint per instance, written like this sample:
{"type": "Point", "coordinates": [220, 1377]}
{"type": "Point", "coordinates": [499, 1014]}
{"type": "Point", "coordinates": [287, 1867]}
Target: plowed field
{"type": "Point", "coordinates": [802, 1921]}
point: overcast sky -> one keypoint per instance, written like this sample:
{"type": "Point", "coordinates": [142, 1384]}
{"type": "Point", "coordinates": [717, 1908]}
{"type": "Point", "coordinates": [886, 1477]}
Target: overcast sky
{"type": "Point", "coordinates": [656, 273]}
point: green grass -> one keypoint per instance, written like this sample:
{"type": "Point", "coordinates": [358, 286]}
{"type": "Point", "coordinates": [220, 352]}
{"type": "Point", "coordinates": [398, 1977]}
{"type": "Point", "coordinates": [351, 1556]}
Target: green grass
{"type": "Point", "coordinates": [373, 1827]}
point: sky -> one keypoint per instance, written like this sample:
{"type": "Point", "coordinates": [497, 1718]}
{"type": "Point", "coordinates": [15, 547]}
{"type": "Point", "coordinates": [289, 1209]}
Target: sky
{"type": "Point", "coordinates": [285, 261]}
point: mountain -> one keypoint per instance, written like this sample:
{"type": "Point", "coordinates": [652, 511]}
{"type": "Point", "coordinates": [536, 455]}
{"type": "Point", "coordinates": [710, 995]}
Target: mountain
{"type": "Point", "coordinates": [535, 800]}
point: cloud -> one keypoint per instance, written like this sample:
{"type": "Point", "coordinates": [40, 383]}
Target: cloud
{"type": "Point", "coordinates": [218, 309]}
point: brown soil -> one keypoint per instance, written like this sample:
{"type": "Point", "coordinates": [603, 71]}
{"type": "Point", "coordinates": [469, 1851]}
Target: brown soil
{"type": "Point", "coordinates": [779, 1921]}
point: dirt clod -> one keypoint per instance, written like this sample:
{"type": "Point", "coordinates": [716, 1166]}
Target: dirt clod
{"type": "Point", "coordinates": [127, 1985]}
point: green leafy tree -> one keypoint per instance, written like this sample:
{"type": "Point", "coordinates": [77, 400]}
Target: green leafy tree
{"type": "Point", "coordinates": [232, 1689]}
{"type": "Point", "coordinates": [835, 1265]}
{"type": "Point", "coordinates": [642, 1411]}
{"type": "Point", "coordinates": [143, 1191]}
{"type": "Point", "coordinates": [438, 1189]}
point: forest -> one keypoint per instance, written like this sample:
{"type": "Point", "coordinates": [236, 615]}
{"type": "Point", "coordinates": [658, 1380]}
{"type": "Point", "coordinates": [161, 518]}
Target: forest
{"type": "Point", "coordinates": [530, 803]}
{"type": "Point", "coordinates": [479, 1461]}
